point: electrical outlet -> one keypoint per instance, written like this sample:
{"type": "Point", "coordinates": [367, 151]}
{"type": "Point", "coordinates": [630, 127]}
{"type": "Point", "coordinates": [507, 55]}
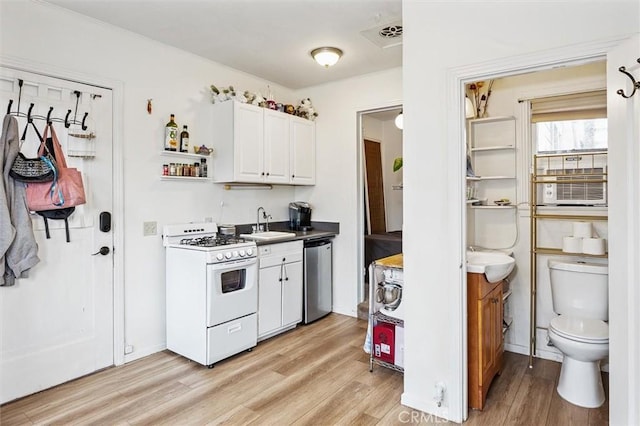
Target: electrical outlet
{"type": "Point", "coordinates": [208, 219]}
{"type": "Point", "coordinates": [149, 228]}
{"type": "Point", "coordinates": [128, 349]}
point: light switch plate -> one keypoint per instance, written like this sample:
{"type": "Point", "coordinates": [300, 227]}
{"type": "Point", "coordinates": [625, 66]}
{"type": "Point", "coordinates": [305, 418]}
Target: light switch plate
{"type": "Point", "coordinates": [150, 228]}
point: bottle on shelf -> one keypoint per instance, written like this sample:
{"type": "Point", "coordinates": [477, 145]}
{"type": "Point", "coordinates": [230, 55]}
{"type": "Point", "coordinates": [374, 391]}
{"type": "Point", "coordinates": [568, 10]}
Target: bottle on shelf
{"type": "Point", "coordinates": [171, 135]}
{"type": "Point", "coordinates": [184, 139]}
{"type": "Point", "coordinates": [203, 167]}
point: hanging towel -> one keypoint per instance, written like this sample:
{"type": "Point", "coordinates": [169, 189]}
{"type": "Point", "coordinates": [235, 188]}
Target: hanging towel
{"type": "Point", "coordinates": [18, 247]}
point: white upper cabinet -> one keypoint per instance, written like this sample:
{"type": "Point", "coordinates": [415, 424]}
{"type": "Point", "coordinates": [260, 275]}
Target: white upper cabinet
{"type": "Point", "coordinates": [248, 154]}
{"type": "Point", "coordinates": [303, 151]}
{"type": "Point", "coordinates": [276, 146]}
{"type": "Point", "coordinates": [258, 145]}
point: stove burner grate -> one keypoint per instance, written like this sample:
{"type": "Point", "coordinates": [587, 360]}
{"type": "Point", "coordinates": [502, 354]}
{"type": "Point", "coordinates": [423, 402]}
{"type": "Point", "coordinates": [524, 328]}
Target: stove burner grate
{"type": "Point", "coordinates": [212, 241]}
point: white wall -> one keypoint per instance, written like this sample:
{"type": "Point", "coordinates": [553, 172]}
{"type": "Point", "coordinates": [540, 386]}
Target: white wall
{"type": "Point", "coordinates": [440, 37]}
{"type": "Point", "coordinates": [392, 197]}
{"type": "Point", "coordinates": [390, 138]}
{"type": "Point", "coordinates": [336, 194]}
{"type": "Point", "coordinates": [178, 83]}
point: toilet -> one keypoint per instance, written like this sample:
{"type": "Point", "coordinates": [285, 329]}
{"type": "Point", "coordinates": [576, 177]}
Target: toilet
{"type": "Point", "coordinates": [579, 291]}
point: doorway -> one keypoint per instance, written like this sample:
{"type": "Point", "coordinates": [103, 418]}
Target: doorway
{"type": "Point", "coordinates": [620, 207]}
{"type": "Point", "coordinates": [380, 210]}
{"type": "Point", "coordinates": [57, 324]}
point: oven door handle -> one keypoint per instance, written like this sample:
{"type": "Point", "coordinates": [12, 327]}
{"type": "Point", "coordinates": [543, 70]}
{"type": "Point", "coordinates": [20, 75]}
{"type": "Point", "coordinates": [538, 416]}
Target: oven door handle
{"type": "Point", "coordinates": [233, 264]}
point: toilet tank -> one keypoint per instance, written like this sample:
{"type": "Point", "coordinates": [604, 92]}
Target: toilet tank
{"type": "Point", "coordinates": [580, 289]}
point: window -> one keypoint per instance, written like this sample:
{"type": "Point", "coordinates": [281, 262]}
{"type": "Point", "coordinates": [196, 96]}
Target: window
{"type": "Point", "coordinates": [571, 135]}
{"type": "Point", "coordinates": [570, 123]}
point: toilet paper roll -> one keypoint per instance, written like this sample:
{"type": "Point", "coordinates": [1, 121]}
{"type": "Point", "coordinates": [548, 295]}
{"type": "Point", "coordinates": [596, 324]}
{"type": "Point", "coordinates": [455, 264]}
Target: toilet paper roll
{"type": "Point", "coordinates": [593, 245]}
{"type": "Point", "coordinates": [572, 244]}
{"type": "Point", "coordinates": [582, 229]}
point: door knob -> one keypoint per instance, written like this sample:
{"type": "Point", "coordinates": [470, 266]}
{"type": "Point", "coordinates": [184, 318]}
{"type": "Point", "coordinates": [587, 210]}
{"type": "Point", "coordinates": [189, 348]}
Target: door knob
{"type": "Point", "coordinates": [104, 250]}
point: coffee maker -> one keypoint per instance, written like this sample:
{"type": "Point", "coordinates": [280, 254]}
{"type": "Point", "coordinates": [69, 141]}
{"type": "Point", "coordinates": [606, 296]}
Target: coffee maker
{"type": "Point", "coordinates": [300, 216]}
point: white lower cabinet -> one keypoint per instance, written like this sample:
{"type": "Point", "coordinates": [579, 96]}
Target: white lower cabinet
{"type": "Point", "coordinates": [279, 288]}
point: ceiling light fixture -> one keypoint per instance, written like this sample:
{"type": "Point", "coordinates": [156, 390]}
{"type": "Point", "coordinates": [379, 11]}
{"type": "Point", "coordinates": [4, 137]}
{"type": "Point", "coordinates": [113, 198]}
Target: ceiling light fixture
{"type": "Point", "coordinates": [399, 120]}
{"type": "Point", "coordinates": [326, 56]}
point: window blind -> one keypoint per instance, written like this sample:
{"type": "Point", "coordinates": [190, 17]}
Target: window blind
{"type": "Point", "coordinates": [577, 106]}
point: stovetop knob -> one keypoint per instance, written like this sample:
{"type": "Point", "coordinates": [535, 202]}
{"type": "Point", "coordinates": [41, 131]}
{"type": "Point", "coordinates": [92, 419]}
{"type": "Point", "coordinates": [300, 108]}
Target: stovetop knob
{"type": "Point", "coordinates": [242, 253]}
{"type": "Point", "coordinates": [220, 256]}
{"type": "Point", "coordinates": [228, 255]}
{"type": "Point", "coordinates": [249, 252]}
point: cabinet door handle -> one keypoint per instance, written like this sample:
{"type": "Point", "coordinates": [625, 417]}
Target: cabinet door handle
{"type": "Point", "coordinates": [262, 174]}
{"type": "Point", "coordinates": [267, 173]}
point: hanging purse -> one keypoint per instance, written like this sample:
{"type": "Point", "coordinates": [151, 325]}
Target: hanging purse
{"type": "Point", "coordinates": [40, 169]}
{"type": "Point", "coordinates": [66, 190]}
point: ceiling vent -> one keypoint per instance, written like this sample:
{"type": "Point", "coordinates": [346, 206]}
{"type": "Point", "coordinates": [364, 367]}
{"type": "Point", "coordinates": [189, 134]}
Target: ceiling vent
{"type": "Point", "coordinates": [385, 36]}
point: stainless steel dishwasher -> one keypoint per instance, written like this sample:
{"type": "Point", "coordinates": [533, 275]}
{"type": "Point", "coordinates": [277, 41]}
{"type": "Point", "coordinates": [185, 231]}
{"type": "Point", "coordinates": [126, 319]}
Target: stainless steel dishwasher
{"type": "Point", "coordinates": [318, 279]}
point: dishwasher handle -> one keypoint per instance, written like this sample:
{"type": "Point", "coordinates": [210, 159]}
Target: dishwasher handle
{"type": "Point", "coordinates": [317, 243]}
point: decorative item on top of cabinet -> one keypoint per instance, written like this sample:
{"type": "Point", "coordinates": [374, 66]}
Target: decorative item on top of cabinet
{"type": "Point", "coordinates": [484, 335]}
{"type": "Point", "coordinates": [184, 166]}
{"type": "Point", "coordinates": [259, 145]}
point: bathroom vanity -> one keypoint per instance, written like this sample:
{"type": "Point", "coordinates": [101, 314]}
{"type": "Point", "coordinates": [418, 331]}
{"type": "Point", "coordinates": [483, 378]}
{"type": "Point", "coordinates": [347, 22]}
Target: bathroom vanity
{"type": "Point", "coordinates": [485, 336]}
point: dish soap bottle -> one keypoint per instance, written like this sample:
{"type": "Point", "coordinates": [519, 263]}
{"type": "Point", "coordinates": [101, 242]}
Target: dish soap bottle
{"type": "Point", "coordinates": [171, 135]}
{"type": "Point", "coordinates": [184, 139]}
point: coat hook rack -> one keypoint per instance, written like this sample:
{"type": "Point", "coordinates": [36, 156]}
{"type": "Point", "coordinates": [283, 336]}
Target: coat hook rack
{"type": "Point", "coordinates": [634, 84]}
{"type": "Point", "coordinates": [29, 118]}
{"type": "Point", "coordinates": [49, 119]}
{"type": "Point", "coordinates": [66, 119]}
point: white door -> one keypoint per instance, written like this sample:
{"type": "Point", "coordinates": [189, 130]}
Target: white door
{"type": "Point", "coordinates": [292, 294]}
{"type": "Point", "coordinates": [623, 116]}
{"type": "Point", "coordinates": [248, 133]}
{"type": "Point", "coordinates": [303, 151]}
{"type": "Point", "coordinates": [269, 300]}
{"type": "Point", "coordinates": [276, 146]}
{"type": "Point", "coordinates": [57, 324]}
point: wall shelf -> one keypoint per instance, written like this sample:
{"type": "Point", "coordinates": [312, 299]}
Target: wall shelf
{"type": "Point", "coordinates": [559, 252]}
{"type": "Point", "coordinates": [510, 206]}
{"type": "Point", "coordinates": [493, 177]}
{"type": "Point", "coordinates": [183, 155]}
{"type": "Point", "coordinates": [492, 148]}
{"type": "Point", "coordinates": [191, 178]}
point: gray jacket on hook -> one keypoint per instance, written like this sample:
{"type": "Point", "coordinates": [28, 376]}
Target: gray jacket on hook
{"type": "Point", "coordinates": [18, 247]}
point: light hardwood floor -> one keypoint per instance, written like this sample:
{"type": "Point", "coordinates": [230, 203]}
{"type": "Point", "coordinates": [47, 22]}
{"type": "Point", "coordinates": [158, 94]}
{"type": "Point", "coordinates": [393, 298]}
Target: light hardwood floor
{"type": "Point", "coordinates": [313, 375]}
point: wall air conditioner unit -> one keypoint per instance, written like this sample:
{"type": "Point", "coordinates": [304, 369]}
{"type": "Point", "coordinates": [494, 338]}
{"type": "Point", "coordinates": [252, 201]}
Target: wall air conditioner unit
{"type": "Point", "coordinates": [573, 183]}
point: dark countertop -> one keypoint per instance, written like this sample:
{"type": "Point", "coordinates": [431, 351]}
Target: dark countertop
{"type": "Point", "coordinates": [320, 230]}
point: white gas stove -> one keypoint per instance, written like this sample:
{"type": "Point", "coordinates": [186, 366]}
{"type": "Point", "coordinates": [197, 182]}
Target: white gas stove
{"type": "Point", "coordinates": [204, 237]}
{"type": "Point", "coordinates": [221, 271]}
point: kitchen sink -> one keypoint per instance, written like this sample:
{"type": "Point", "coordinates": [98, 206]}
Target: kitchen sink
{"type": "Point", "coordinates": [494, 265]}
{"type": "Point", "coordinates": [268, 235]}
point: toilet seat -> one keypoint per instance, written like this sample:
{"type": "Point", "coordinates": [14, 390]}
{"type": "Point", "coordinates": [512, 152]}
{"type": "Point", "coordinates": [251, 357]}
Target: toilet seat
{"type": "Point", "coordinates": [580, 329]}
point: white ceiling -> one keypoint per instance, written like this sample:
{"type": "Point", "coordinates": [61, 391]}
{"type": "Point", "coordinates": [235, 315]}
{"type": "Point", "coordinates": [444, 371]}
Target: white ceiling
{"type": "Point", "coordinates": [267, 38]}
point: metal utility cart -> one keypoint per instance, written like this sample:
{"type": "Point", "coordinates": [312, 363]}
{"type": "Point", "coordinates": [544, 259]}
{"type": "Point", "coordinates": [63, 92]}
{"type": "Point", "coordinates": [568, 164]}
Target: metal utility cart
{"type": "Point", "coordinates": [394, 266]}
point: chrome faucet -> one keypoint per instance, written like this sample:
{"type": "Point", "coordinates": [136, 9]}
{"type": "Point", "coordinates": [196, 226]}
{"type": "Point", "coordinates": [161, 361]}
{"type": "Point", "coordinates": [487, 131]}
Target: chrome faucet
{"type": "Point", "coordinates": [265, 216]}
{"type": "Point", "coordinates": [258, 218]}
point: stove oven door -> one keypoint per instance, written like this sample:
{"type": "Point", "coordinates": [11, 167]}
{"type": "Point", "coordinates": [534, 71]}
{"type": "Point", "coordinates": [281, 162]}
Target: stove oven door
{"type": "Point", "coordinates": [232, 290]}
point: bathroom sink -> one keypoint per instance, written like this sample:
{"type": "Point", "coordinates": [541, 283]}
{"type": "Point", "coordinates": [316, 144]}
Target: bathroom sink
{"type": "Point", "coordinates": [494, 265]}
{"type": "Point", "coordinates": [268, 235]}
